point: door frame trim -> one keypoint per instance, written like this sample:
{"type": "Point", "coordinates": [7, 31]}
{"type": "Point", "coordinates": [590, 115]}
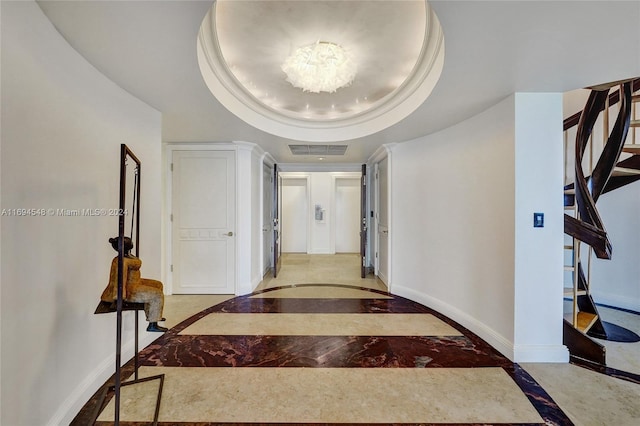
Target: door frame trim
{"type": "Point", "coordinates": [266, 162]}
{"type": "Point", "coordinates": [376, 222]}
{"type": "Point", "coordinates": [385, 151]}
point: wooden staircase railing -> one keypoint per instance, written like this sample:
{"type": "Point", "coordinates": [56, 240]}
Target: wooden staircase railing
{"type": "Point", "coordinates": [584, 225]}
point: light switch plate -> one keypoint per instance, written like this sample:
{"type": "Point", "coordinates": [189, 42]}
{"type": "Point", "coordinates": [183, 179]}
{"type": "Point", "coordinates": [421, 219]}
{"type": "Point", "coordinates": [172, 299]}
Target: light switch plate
{"type": "Point", "coordinates": [538, 220]}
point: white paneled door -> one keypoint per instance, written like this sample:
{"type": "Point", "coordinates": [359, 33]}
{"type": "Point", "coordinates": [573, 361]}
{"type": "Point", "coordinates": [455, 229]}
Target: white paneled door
{"type": "Point", "coordinates": [203, 222]}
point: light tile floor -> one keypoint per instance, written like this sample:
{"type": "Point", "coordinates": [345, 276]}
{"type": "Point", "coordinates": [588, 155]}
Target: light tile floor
{"type": "Point", "coordinates": [332, 395]}
{"type": "Point", "coordinates": [341, 268]}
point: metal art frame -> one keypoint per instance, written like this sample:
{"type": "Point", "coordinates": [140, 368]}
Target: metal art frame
{"type": "Point", "coordinates": [125, 154]}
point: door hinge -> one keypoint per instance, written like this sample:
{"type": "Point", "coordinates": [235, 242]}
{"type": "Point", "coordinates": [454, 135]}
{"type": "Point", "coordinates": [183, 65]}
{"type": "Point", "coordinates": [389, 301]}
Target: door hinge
{"type": "Point", "coordinates": [171, 217]}
{"type": "Point", "coordinates": [171, 268]}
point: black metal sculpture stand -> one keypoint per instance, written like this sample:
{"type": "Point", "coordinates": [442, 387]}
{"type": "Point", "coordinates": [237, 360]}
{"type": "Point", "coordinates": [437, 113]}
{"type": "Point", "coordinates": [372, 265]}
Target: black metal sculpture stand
{"type": "Point", "coordinates": [121, 305]}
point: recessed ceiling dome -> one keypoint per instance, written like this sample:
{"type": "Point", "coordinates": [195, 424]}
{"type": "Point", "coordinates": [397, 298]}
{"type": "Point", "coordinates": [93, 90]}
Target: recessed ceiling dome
{"type": "Point", "coordinates": [397, 48]}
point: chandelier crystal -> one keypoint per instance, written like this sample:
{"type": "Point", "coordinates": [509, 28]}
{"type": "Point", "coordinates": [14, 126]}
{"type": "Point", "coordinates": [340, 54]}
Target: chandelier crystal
{"type": "Point", "coordinates": [320, 67]}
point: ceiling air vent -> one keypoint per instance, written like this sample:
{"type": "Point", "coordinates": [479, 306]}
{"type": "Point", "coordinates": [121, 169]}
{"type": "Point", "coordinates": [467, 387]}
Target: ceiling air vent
{"type": "Point", "coordinates": [318, 149]}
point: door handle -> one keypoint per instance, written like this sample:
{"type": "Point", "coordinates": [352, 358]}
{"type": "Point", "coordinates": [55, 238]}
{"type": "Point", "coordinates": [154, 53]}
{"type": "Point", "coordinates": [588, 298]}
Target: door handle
{"type": "Point", "coordinates": [229, 234]}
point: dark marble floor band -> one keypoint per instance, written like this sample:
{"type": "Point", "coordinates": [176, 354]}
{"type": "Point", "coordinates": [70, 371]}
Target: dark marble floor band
{"type": "Point", "coordinates": [612, 372]}
{"type": "Point", "coordinates": [313, 306]}
{"type": "Point", "coordinates": [539, 398]}
{"type": "Point", "coordinates": [321, 351]}
{"type": "Point", "coordinates": [347, 286]}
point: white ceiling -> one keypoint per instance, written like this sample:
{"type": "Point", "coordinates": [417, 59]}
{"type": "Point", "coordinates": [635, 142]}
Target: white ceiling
{"type": "Point", "coordinates": [240, 58]}
{"type": "Point", "coordinates": [493, 49]}
{"type": "Point", "coordinates": [254, 48]}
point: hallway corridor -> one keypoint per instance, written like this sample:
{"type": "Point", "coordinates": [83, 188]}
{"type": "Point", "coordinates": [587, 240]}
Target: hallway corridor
{"type": "Point", "coordinates": [320, 345]}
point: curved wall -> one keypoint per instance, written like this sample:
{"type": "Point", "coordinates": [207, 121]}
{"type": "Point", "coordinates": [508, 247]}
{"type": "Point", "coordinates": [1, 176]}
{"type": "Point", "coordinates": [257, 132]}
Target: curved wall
{"type": "Point", "coordinates": [462, 234]}
{"type": "Point", "coordinates": [453, 235]}
{"type": "Point", "coordinates": [62, 126]}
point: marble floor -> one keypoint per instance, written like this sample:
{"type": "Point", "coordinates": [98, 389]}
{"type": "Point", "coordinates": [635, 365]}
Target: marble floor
{"type": "Point", "coordinates": [320, 345]}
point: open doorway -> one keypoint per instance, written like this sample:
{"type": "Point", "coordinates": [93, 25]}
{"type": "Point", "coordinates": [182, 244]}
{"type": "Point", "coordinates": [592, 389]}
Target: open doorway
{"type": "Point", "coordinates": [347, 204]}
{"type": "Point", "coordinates": [295, 215]}
{"type": "Point", "coordinates": [322, 221]}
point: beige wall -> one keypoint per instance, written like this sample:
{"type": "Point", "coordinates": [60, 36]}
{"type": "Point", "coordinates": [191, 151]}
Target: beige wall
{"type": "Point", "coordinates": [462, 236]}
{"type": "Point", "coordinates": [452, 225]}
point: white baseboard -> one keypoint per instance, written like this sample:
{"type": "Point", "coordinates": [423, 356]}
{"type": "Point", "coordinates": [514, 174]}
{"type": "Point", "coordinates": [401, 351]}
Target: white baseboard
{"type": "Point", "coordinates": [321, 251]}
{"type": "Point", "coordinates": [249, 287]}
{"type": "Point", "coordinates": [255, 283]}
{"type": "Point", "coordinates": [499, 342]}
{"type": "Point", "coordinates": [541, 353]}
{"type": "Point", "coordinates": [243, 288]}
{"type": "Point", "coordinates": [385, 280]}
{"type": "Point", "coordinates": [85, 390]}
{"type": "Point", "coordinates": [515, 353]}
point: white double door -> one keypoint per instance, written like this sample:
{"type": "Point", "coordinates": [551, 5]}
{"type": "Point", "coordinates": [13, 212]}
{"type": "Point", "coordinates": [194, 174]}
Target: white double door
{"type": "Point", "coordinates": [203, 222]}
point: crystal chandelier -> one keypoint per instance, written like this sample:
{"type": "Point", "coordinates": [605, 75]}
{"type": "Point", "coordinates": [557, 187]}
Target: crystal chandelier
{"type": "Point", "coordinates": [320, 67]}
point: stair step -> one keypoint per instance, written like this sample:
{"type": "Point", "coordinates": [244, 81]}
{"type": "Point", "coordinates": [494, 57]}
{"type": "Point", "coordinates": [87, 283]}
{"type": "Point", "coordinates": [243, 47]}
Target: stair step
{"type": "Point", "coordinates": [585, 321]}
{"type": "Point", "coordinates": [625, 171]}
{"type": "Point", "coordinates": [634, 123]}
{"type": "Point", "coordinates": [568, 246]}
{"type": "Point", "coordinates": [568, 267]}
{"type": "Point", "coordinates": [571, 207]}
{"type": "Point", "coordinates": [635, 98]}
{"type": "Point", "coordinates": [568, 291]}
{"type": "Point", "coordinates": [631, 148]}
{"type": "Point", "coordinates": [572, 191]}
